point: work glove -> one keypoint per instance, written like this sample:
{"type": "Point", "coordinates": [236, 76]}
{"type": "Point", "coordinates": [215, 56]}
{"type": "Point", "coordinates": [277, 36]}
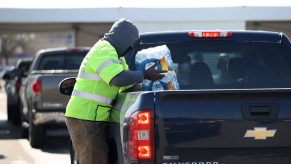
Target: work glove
{"type": "Point", "coordinates": [152, 74]}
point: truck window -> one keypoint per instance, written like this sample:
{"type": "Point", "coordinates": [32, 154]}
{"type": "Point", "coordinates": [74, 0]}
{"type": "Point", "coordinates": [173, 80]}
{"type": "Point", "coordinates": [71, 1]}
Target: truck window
{"type": "Point", "coordinates": [230, 65]}
{"type": "Point", "coordinates": [61, 60]}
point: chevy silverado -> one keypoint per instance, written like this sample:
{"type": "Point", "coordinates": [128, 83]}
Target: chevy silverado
{"type": "Point", "coordinates": [233, 106]}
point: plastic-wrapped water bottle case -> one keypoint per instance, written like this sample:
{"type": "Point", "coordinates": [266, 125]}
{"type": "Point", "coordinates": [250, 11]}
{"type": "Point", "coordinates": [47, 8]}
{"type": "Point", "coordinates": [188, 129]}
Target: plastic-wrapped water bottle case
{"type": "Point", "coordinates": [161, 55]}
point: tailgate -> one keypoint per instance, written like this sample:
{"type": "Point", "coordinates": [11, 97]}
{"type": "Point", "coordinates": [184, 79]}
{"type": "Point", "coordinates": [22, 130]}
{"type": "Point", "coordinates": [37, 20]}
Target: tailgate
{"type": "Point", "coordinates": [51, 97]}
{"type": "Point", "coordinates": [224, 127]}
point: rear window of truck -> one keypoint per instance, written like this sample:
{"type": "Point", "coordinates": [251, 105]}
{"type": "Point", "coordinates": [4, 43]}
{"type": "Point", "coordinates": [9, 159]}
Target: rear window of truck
{"type": "Point", "coordinates": [230, 65]}
{"type": "Point", "coordinates": [62, 60]}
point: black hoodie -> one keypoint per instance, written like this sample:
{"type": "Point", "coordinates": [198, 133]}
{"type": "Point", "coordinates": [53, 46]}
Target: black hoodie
{"type": "Point", "coordinates": [122, 35]}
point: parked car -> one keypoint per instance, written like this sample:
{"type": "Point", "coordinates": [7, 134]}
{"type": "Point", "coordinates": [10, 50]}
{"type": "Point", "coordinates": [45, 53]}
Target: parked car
{"type": "Point", "coordinates": [4, 70]}
{"type": "Point", "coordinates": [13, 85]}
{"type": "Point", "coordinates": [43, 106]}
{"type": "Point", "coordinates": [4, 76]}
{"type": "Point", "coordinates": [245, 118]}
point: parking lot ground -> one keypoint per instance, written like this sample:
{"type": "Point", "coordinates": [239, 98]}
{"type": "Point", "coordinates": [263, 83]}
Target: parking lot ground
{"type": "Point", "coordinates": [16, 150]}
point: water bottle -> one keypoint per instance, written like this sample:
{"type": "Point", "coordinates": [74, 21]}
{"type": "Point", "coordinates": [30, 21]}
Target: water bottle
{"type": "Point", "coordinates": [157, 86]}
{"type": "Point", "coordinates": [146, 85]}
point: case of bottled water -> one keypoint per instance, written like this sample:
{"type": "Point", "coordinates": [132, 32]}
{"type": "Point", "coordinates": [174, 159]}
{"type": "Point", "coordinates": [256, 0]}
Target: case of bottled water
{"type": "Point", "coordinates": [161, 55]}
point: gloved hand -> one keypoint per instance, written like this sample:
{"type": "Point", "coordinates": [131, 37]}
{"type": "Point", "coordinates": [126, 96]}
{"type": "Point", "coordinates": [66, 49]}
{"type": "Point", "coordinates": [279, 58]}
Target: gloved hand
{"type": "Point", "coordinates": [152, 74]}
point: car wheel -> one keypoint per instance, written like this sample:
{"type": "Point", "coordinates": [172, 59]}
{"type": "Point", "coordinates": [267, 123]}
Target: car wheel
{"type": "Point", "coordinates": [36, 134]}
{"type": "Point", "coordinates": [24, 128]}
{"type": "Point", "coordinates": [15, 115]}
{"type": "Point", "coordinates": [9, 112]}
{"type": "Point", "coordinates": [24, 124]}
{"type": "Point", "coordinates": [24, 132]}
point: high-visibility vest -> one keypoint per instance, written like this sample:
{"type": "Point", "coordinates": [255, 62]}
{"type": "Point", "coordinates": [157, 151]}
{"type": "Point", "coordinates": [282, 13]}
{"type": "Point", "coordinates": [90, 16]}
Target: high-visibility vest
{"type": "Point", "coordinates": [92, 96]}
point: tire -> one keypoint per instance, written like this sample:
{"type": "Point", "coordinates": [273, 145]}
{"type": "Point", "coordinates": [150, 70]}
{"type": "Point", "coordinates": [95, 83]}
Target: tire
{"type": "Point", "coordinates": [23, 124]}
{"type": "Point", "coordinates": [36, 134]}
{"type": "Point", "coordinates": [15, 115]}
{"type": "Point", "coordinates": [9, 112]}
{"type": "Point", "coordinates": [24, 132]}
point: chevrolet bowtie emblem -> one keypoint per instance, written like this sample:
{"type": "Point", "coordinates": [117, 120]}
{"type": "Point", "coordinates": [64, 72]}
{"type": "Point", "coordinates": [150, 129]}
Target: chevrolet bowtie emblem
{"type": "Point", "coordinates": [260, 133]}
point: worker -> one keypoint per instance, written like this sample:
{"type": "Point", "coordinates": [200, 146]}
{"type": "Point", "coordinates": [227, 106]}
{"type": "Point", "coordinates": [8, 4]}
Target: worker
{"type": "Point", "coordinates": [102, 74]}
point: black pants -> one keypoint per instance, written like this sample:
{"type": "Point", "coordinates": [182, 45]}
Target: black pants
{"type": "Point", "coordinates": [89, 140]}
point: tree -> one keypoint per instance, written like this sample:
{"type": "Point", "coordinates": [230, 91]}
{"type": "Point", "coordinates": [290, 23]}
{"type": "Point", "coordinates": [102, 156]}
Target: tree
{"type": "Point", "coordinates": [12, 41]}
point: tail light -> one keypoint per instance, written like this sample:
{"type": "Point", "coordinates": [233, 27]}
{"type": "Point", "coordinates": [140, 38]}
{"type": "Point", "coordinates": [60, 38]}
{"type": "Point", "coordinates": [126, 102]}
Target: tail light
{"type": "Point", "coordinates": [141, 137]}
{"type": "Point", "coordinates": [214, 34]}
{"type": "Point", "coordinates": [36, 87]}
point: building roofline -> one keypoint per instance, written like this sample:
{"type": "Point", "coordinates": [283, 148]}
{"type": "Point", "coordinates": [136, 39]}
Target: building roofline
{"type": "Point", "coordinates": [90, 15]}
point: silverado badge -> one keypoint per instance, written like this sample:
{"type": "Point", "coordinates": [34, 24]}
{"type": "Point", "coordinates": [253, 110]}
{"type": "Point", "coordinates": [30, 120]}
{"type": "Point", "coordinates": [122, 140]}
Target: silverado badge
{"type": "Point", "coordinates": [260, 133]}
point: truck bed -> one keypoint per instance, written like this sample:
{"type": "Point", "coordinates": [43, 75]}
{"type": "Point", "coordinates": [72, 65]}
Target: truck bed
{"type": "Point", "coordinates": [211, 126]}
{"type": "Point", "coordinates": [51, 98]}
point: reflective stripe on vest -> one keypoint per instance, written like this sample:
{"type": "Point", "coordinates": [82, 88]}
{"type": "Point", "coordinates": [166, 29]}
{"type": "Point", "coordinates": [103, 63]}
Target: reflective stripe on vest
{"type": "Point", "coordinates": [89, 76]}
{"type": "Point", "coordinates": [92, 97]}
{"type": "Point", "coordinates": [105, 64]}
{"type": "Point", "coordinates": [83, 65]}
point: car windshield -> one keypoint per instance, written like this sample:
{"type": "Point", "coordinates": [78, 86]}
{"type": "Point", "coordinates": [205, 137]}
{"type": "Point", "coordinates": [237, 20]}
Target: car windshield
{"type": "Point", "coordinates": [62, 60]}
{"type": "Point", "coordinates": [229, 64]}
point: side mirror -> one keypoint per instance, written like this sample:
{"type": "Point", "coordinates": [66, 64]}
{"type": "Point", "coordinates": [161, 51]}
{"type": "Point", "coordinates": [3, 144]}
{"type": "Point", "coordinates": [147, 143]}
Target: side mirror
{"type": "Point", "coordinates": [67, 85]}
{"type": "Point", "coordinates": [8, 75]}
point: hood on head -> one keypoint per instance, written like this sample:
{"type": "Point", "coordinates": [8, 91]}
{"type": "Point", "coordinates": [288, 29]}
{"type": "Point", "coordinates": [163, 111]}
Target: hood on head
{"type": "Point", "coordinates": [122, 35]}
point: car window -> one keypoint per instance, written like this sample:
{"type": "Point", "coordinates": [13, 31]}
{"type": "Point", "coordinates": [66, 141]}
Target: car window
{"type": "Point", "coordinates": [61, 60]}
{"type": "Point", "coordinates": [73, 60]}
{"type": "Point", "coordinates": [24, 66]}
{"type": "Point", "coordinates": [233, 65]}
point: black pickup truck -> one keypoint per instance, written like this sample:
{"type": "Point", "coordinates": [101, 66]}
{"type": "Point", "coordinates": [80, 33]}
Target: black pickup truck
{"type": "Point", "coordinates": [233, 105]}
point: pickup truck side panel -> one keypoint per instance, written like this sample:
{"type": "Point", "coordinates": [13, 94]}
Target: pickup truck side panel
{"type": "Point", "coordinates": [50, 104]}
{"type": "Point", "coordinates": [43, 105]}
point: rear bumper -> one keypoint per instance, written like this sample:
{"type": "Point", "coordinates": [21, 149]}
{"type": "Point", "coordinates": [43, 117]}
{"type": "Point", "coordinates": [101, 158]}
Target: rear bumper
{"type": "Point", "coordinates": [48, 117]}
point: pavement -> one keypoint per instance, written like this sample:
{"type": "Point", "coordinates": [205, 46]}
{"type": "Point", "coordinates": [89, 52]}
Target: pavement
{"type": "Point", "coordinates": [16, 150]}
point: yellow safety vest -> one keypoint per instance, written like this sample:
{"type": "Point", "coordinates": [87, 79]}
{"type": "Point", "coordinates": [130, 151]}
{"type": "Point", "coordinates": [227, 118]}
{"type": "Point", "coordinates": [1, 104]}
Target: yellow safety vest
{"type": "Point", "coordinates": [92, 96]}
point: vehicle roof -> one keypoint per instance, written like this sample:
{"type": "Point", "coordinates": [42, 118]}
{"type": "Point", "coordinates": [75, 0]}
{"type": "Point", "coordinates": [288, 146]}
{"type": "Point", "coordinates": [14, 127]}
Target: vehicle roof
{"type": "Point", "coordinates": [242, 35]}
{"type": "Point", "coordinates": [24, 60]}
{"type": "Point", "coordinates": [4, 68]}
{"type": "Point", "coordinates": [62, 49]}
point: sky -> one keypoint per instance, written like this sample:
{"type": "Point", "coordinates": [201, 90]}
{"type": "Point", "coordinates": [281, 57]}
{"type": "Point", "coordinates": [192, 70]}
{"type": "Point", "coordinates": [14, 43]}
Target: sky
{"type": "Point", "coordinates": [31, 4]}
